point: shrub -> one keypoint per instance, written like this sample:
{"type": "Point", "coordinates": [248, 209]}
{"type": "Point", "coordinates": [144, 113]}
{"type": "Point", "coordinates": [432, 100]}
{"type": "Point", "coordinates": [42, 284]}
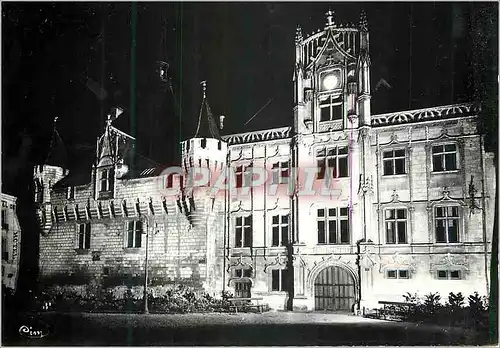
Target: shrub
{"type": "Point", "coordinates": [456, 301]}
{"type": "Point", "coordinates": [454, 312]}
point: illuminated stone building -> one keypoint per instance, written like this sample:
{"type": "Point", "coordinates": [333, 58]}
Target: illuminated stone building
{"type": "Point", "coordinates": [11, 242]}
{"type": "Point", "coordinates": [409, 208]}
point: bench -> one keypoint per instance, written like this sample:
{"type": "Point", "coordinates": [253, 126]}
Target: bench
{"type": "Point", "coordinates": [393, 310]}
{"type": "Point", "coordinates": [240, 303]}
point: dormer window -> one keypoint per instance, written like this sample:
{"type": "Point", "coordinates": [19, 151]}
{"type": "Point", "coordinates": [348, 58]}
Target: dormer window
{"type": "Point", "coordinates": [105, 183]}
{"type": "Point", "coordinates": [38, 191]}
{"type": "Point", "coordinates": [70, 193]}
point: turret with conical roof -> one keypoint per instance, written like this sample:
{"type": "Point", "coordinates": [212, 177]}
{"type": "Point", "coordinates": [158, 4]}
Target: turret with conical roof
{"type": "Point", "coordinates": [47, 174]}
{"type": "Point", "coordinates": [205, 152]}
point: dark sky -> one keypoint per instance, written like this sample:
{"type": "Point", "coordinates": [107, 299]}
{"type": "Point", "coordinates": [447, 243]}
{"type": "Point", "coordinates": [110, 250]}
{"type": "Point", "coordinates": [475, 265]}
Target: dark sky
{"type": "Point", "coordinates": [244, 50]}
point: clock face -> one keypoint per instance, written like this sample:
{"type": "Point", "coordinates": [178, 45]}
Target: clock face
{"type": "Point", "coordinates": [330, 81]}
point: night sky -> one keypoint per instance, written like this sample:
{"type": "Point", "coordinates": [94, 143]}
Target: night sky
{"type": "Point", "coordinates": [56, 57]}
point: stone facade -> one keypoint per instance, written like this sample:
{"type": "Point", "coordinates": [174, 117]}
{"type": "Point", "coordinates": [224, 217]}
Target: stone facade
{"type": "Point", "coordinates": [11, 242]}
{"type": "Point", "coordinates": [409, 208]}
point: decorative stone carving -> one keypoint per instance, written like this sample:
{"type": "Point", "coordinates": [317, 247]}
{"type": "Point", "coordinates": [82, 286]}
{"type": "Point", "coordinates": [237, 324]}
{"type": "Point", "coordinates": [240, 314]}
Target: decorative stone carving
{"type": "Point", "coordinates": [366, 185]}
{"type": "Point", "coordinates": [446, 198]}
{"type": "Point", "coordinates": [367, 259]}
{"type": "Point", "coordinates": [239, 263]}
{"type": "Point", "coordinates": [398, 261]}
{"type": "Point", "coordinates": [265, 135]}
{"type": "Point", "coordinates": [280, 260]}
{"type": "Point", "coordinates": [449, 262]}
{"type": "Point", "coordinates": [442, 112]}
{"type": "Point", "coordinates": [308, 94]}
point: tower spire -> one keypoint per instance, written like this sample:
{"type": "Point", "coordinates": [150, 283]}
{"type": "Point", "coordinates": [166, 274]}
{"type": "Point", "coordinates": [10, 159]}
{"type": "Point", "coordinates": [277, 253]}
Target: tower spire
{"type": "Point", "coordinates": [207, 128]}
{"type": "Point", "coordinates": [57, 155]}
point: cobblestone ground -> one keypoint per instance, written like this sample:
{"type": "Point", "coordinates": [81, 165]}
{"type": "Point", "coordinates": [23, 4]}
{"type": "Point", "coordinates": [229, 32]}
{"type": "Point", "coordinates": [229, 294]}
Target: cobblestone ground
{"type": "Point", "coordinates": [272, 328]}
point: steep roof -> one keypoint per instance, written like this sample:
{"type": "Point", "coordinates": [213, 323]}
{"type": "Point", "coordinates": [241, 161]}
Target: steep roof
{"type": "Point", "coordinates": [207, 128]}
{"type": "Point", "coordinates": [57, 155]}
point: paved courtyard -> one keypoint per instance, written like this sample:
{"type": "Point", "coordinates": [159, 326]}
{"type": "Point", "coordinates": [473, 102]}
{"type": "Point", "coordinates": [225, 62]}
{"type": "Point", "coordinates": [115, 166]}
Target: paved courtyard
{"type": "Point", "coordinates": [272, 328]}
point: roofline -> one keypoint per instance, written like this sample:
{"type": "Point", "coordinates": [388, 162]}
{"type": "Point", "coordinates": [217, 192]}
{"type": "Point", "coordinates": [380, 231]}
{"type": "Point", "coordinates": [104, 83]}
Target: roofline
{"type": "Point", "coordinates": [7, 197]}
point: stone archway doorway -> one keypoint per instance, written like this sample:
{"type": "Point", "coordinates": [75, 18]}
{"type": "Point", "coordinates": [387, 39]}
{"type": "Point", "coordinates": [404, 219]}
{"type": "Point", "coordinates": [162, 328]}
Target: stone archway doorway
{"type": "Point", "coordinates": [334, 290]}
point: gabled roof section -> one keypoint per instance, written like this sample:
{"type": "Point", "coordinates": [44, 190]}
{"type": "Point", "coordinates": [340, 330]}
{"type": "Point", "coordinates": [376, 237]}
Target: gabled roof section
{"type": "Point", "coordinates": [207, 128]}
{"type": "Point", "coordinates": [57, 155]}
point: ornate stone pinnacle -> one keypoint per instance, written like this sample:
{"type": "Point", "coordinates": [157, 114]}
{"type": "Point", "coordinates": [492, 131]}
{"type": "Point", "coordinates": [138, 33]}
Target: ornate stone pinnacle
{"type": "Point", "coordinates": [363, 21]}
{"type": "Point", "coordinates": [298, 34]}
{"type": "Point", "coordinates": [204, 88]}
{"type": "Point", "coordinates": [329, 18]}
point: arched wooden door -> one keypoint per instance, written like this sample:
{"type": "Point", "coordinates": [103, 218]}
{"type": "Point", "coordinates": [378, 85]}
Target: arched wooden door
{"type": "Point", "coordinates": [334, 290]}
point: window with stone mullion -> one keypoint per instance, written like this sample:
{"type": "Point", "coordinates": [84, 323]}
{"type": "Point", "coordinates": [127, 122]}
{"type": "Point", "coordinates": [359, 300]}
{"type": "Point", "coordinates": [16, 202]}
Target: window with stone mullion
{"type": "Point", "coordinates": [280, 230]}
{"type": "Point", "coordinates": [395, 225]}
{"type": "Point", "coordinates": [333, 226]}
{"type": "Point", "coordinates": [447, 224]}
{"type": "Point", "coordinates": [134, 234]}
{"type": "Point", "coordinates": [280, 172]}
{"type": "Point", "coordinates": [394, 162]}
{"type": "Point", "coordinates": [444, 157]}
{"type": "Point", "coordinates": [243, 232]}
{"type": "Point", "coordinates": [84, 236]}
{"type": "Point", "coordinates": [279, 280]}
{"type": "Point", "coordinates": [330, 109]}
{"type": "Point", "coordinates": [335, 159]}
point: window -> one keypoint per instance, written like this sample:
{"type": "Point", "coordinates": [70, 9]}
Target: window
{"type": "Point", "coordinates": [398, 274]}
{"type": "Point", "coordinates": [170, 180]}
{"type": "Point", "coordinates": [38, 191]}
{"type": "Point", "coordinates": [449, 274]}
{"type": "Point", "coordinates": [105, 180]}
{"type": "Point", "coordinates": [5, 224]}
{"type": "Point", "coordinates": [248, 176]}
{"type": "Point", "coordinates": [330, 109]}
{"type": "Point", "coordinates": [243, 232]}
{"type": "Point", "coordinates": [394, 162]}
{"type": "Point", "coordinates": [134, 234]}
{"type": "Point", "coordinates": [243, 273]}
{"type": "Point", "coordinates": [243, 176]}
{"type": "Point", "coordinates": [444, 157]}
{"type": "Point", "coordinates": [333, 226]}
{"type": "Point", "coordinates": [242, 289]}
{"type": "Point", "coordinates": [70, 193]}
{"type": "Point", "coordinates": [5, 253]}
{"type": "Point", "coordinates": [395, 226]}
{"type": "Point", "coordinates": [447, 224]}
{"type": "Point", "coordinates": [279, 281]}
{"type": "Point", "coordinates": [84, 236]}
{"type": "Point", "coordinates": [334, 158]}
{"type": "Point", "coordinates": [280, 172]}
{"type": "Point", "coordinates": [280, 230]}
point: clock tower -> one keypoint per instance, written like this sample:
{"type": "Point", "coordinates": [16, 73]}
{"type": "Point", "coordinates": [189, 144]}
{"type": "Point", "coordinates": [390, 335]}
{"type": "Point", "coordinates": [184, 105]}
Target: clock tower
{"type": "Point", "coordinates": [332, 77]}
